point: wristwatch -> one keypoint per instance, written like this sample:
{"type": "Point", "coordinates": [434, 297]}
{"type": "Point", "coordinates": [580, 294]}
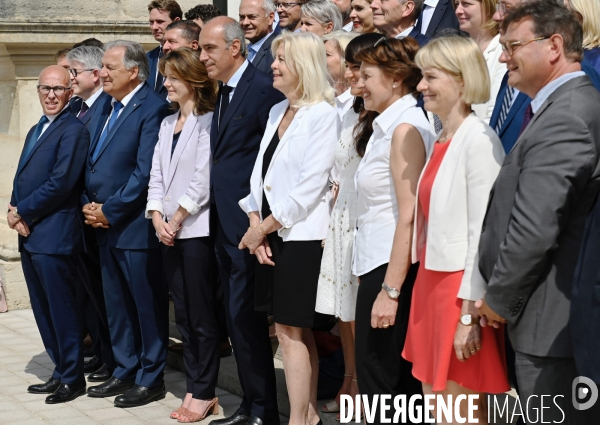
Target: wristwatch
{"type": "Point", "coordinates": [467, 320]}
{"type": "Point", "coordinates": [393, 293]}
{"type": "Point", "coordinates": [16, 214]}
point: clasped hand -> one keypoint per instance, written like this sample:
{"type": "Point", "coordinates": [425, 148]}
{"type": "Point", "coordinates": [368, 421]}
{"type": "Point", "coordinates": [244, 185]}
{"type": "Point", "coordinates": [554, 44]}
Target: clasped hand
{"type": "Point", "coordinates": [488, 317]}
{"type": "Point", "coordinates": [166, 231]}
{"type": "Point", "coordinates": [17, 223]}
{"type": "Point", "coordinates": [257, 243]}
{"type": "Point", "coordinates": [94, 215]}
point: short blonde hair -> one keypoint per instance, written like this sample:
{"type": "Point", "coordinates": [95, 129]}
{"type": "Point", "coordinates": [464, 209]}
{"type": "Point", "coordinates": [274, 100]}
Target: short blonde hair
{"type": "Point", "coordinates": [461, 58]}
{"type": "Point", "coordinates": [340, 40]}
{"type": "Point", "coordinates": [590, 13]}
{"type": "Point", "coordinates": [305, 56]}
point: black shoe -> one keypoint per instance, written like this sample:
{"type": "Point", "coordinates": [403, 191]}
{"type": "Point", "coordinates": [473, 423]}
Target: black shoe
{"type": "Point", "coordinates": [237, 418]}
{"type": "Point", "coordinates": [101, 375]}
{"type": "Point", "coordinates": [138, 396]}
{"type": "Point", "coordinates": [255, 420]}
{"type": "Point", "coordinates": [113, 386]}
{"type": "Point", "coordinates": [66, 392]}
{"type": "Point", "coordinates": [91, 365]}
{"type": "Point", "coordinates": [225, 349]}
{"type": "Point", "coordinates": [45, 388]}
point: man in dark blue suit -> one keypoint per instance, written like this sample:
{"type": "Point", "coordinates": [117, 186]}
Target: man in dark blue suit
{"type": "Point", "coordinates": [85, 64]}
{"type": "Point", "coordinates": [437, 15]}
{"type": "Point", "coordinates": [256, 19]}
{"type": "Point", "coordinates": [245, 99]}
{"type": "Point", "coordinates": [125, 132]}
{"type": "Point", "coordinates": [397, 19]}
{"type": "Point", "coordinates": [44, 210]}
{"type": "Point", "coordinates": [161, 14]}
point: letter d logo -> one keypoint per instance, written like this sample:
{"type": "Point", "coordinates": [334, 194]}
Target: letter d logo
{"type": "Point", "coordinates": [585, 393]}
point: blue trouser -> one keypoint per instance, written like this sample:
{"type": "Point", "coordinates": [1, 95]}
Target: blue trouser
{"type": "Point", "coordinates": [137, 309]}
{"type": "Point", "coordinates": [52, 282]}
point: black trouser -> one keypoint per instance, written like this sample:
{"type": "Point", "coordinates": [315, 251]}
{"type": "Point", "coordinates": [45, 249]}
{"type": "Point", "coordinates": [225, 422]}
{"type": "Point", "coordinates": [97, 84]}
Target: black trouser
{"type": "Point", "coordinates": [186, 266]}
{"type": "Point", "coordinates": [379, 365]}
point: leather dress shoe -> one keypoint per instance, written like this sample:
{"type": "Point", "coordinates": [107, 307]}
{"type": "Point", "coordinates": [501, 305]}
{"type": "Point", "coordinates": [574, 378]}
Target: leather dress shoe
{"type": "Point", "coordinates": [91, 365]}
{"type": "Point", "coordinates": [255, 420]}
{"type": "Point", "coordinates": [45, 388]}
{"type": "Point", "coordinates": [100, 375]}
{"type": "Point", "coordinates": [114, 386]}
{"type": "Point", "coordinates": [139, 395]}
{"type": "Point", "coordinates": [66, 392]}
{"type": "Point", "coordinates": [237, 418]}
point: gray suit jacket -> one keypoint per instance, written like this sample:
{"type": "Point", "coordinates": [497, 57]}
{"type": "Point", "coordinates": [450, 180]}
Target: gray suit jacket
{"type": "Point", "coordinates": [535, 218]}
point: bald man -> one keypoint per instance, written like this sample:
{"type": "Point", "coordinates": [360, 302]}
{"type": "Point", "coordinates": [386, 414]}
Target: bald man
{"type": "Point", "coordinates": [44, 210]}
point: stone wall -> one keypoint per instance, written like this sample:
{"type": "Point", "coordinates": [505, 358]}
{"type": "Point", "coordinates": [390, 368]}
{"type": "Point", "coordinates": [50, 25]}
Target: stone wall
{"type": "Point", "coordinates": [31, 31]}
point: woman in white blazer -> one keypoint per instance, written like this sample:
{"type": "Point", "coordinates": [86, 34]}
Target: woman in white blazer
{"type": "Point", "coordinates": [288, 209]}
{"type": "Point", "coordinates": [475, 18]}
{"type": "Point", "coordinates": [450, 353]}
{"type": "Point", "coordinates": [178, 204]}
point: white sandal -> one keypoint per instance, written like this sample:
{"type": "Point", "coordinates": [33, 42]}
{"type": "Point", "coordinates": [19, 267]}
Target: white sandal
{"type": "Point", "coordinates": [331, 407]}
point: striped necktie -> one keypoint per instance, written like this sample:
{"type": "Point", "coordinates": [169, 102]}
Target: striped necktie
{"type": "Point", "coordinates": [506, 104]}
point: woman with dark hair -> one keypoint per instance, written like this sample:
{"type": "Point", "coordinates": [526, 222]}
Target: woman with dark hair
{"type": "Point", "coordinates": [386, 182]}
{"type": "Point", "coordinates": [336, 293]}
{"type": "Point", "coordinates": [178, 204]}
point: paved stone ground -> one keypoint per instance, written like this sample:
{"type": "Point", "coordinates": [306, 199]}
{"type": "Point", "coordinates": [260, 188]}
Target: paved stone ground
{"type": "Point", "coordinates": [23, 361]}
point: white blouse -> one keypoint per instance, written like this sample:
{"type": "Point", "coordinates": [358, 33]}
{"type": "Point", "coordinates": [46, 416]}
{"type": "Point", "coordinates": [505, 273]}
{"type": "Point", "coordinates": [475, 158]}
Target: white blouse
{"type": "Point", "coordinates": [377, 209]}
{"type": "Point", "coordinates": [497, 70]}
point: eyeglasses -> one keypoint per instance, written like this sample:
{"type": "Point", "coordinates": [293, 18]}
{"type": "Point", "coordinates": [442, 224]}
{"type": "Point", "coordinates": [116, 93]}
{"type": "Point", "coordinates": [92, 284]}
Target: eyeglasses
{"type": "Point", "coordinates": [510, 46]}
{"type": "Point", "coordinates": [58, 90]}
{"type": "Point", "coordinates": [384, 40]}
{"type": "Point", "coordinates": [287, 6]}
{"type": "Point", "coordinates": [75, 71]}
{"type": "Point", "coordinates": [502, 8]}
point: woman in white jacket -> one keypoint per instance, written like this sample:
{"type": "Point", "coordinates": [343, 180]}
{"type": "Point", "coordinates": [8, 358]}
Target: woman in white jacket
{"type": "Point", "coordinates": [178, 204]}
{"type": "Point", "coordinates": [444, 338]}
{"type": "Point", "coordinates": [288, 209]}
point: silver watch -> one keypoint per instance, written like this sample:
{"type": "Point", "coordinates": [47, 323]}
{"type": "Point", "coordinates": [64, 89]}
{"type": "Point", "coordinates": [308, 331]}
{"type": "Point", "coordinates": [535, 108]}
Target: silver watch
{"type": "Point", "coordinates": [393, 293]}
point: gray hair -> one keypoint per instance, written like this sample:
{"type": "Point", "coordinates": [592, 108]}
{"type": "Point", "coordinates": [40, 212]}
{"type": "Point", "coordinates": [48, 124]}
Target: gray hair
{"type": "Point", "coordinates": [269, 6]}
{"type": "Point", "coordinates": [134, 56]}
{"type": "Point", "coordinates": [89, 56]}
{"type": "Point", "coordinates": [232, 31]}
{"type": "Point", "coordinates": [324, 11]}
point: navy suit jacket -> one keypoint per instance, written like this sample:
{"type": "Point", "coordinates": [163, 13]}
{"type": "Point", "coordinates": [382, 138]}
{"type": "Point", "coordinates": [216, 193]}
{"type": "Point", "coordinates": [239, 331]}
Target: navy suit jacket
{"type": "Point", "coordinates": [118, 178]}
{"type": "Point", "coordinates": [46, 188]}
{"type": "Point", "coordinates": [421, 39]}
{"type": "Point", "coordinates": [87, 118]}
{"type": "Point", "coordinates": [443, 17]}
{"type": "Point", "coordinates": [263, 59]}
{"type": "Point", "coordinates": [152, 56]}
{"type": "Point", "coordinates": [234, 146]}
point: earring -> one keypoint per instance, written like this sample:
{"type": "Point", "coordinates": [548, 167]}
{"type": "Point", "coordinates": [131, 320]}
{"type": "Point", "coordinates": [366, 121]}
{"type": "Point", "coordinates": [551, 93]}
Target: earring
{"type": "Point", "coordinates": [393, 86]}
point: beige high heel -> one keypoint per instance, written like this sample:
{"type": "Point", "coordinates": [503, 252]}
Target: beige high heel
{"type": "Point", "coordinates": [188, 416]}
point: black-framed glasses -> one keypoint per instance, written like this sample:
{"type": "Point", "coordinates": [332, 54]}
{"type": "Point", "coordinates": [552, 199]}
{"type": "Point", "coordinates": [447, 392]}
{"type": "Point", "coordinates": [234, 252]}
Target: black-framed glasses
{"type": "Point", "coordinates": [386, 43]}
{"type": "Point", "coordinates": [74, 71]}
{"type": "Point", "coordinates": [287, 6]}
{"type": "Point", "coordinates": [510, 46]}
{"type": "Point", "coordinates": [58, 90]}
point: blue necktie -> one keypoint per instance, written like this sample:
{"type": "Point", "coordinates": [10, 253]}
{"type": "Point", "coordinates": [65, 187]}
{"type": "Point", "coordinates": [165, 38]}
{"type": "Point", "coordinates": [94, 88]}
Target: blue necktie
{"type": "Point", "coordinates": [113, 118]}
{"type": "Point", "coordinates": [506, 104]}
{"type": "Point", "coordinates": [30, 143]}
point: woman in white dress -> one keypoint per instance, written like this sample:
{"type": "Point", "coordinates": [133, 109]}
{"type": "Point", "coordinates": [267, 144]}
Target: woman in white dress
{"type": "Point", "coordinates": [336, 293]}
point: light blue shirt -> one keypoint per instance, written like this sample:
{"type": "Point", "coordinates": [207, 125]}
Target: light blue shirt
{"type": "Point", "coordinates": [255, 47]}
{"type": "Point", "coordinates": [235, 78]}
{"type": "Point", "coordinates": [550, 88]}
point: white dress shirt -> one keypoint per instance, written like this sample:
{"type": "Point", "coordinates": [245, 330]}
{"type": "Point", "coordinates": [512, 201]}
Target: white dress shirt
{"type": "Point", "coordinates": [90, 100]}
{"type": "Point", "coordinates": [343, 103]}
{"type": "Point", "coordinates": [377, 206]}
{"type": "Point", "coordinates": [348, 27]}
{"type": "Point", "coordinates": [428, 9]}
{"type": "Point", "coordinates": [405, 33]}
{"type": "Point", "coordinates": [125, 101]}
{"type": "Point", "coordinates": [51, 119]}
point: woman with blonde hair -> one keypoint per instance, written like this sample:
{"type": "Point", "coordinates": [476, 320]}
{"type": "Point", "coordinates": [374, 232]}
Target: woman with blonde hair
{"type": "Point", "coordinates": [335, 45]}
{"type": "Point", "coordinates": [450, 352]}
{"type": "Point", "coordinates": [320, 17]}
{"type": "Point", "coordinates": [588, 12]}
{"type": "Point", "coordinates": [288, 209]}
{"type": "Point", "coordinates": [362, 16]}
{"type": "Point", "coordinates": [475, 18]}
{"type": "Point", "coordinates": [178, 204]}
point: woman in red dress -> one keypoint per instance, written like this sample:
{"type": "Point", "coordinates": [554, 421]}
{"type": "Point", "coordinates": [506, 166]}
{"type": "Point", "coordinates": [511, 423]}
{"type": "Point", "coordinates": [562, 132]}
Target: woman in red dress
{"type": "Point", "coordinates": [450, 352]}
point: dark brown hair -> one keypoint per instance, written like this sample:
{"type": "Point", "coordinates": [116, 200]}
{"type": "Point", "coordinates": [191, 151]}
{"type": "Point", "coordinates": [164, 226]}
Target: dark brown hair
{"type": "Point", "coordinates": [185, 64]}
{"type": "Point", "coordinates": [550, 18]}
{"type": "Point", "coordinates": [170, 6]}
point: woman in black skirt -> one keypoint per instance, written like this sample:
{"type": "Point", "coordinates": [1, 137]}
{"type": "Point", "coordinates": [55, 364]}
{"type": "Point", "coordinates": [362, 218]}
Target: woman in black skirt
{"type": "Point", "coordinates": [289, 212]}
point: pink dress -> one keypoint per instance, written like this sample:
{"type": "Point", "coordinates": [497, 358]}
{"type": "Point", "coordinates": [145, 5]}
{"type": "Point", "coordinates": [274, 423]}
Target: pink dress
{"type": "Point", "coordinates": [434, 316]}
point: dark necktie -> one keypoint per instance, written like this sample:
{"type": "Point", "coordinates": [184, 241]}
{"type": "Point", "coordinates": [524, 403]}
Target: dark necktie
{"type": "Point", "coordinates": [160, 80]}
{"type": "Point", "coordinates": [527, 119]}
{"type": "Point", "coordinates": [111, 121]}
{"type": "Point", "coordinates": [30, 143]}
{"type": "Point", "coordinates": [84, 109]}
{"type": "Point", "coordinates": [506, 104]}
{"type": "Point", "coordinates": [225, 91]}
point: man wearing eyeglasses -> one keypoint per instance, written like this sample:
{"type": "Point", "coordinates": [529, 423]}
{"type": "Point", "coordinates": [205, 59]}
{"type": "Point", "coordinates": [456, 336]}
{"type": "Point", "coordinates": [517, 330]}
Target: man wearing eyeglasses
{"type": "Point", "coordinates": [289, 15]}
{"type": "Point", "coordinates": [85, 63]}
{"type": "Point", "coordinates": [44, 210]}
{"type": "Point", "coordinates": [534, 224]}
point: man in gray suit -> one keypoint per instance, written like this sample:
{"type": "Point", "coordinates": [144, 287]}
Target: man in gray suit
{"type": "Point", "coordinates": [534, 223]}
